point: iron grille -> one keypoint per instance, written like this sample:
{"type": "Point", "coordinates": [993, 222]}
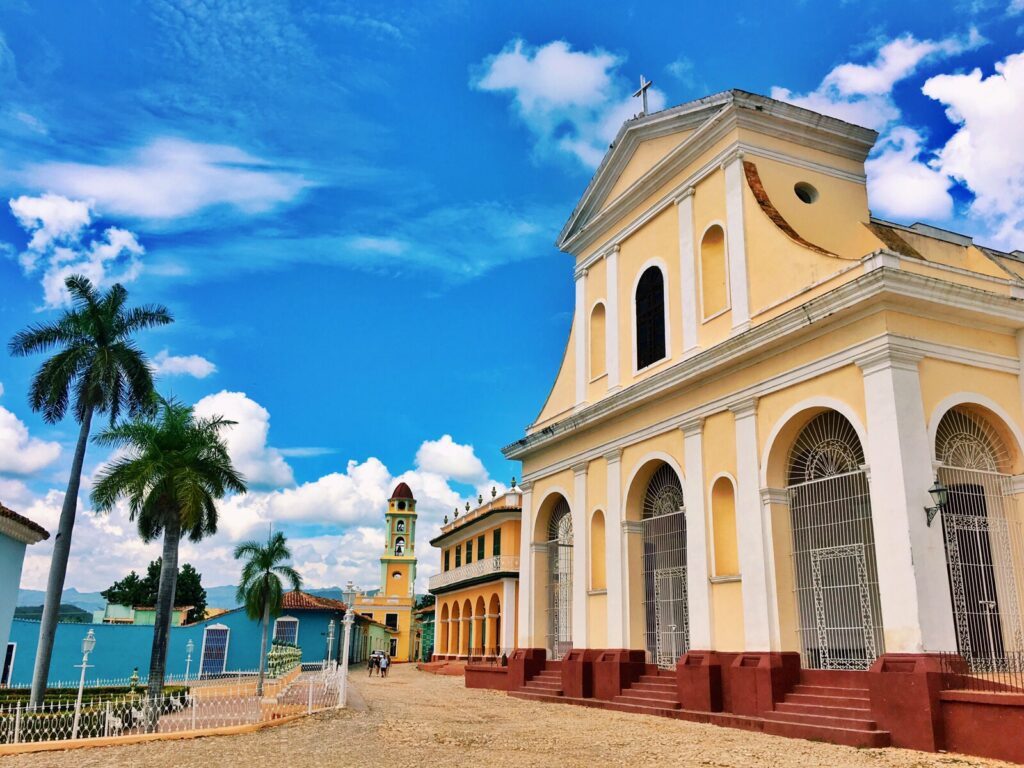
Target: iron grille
{"type": "Point", "coordinates": [560, 581]}
{"type": "Point", "coordinates": [666, 608]}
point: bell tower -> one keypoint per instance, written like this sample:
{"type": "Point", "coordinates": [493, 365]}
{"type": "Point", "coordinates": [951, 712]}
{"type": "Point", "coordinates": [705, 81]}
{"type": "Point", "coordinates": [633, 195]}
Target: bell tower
{"type": "Point", "coordinates": [398, 563]}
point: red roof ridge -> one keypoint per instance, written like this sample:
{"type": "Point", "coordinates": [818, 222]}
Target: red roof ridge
{"type": "Point", "coordinates": [10, 514]}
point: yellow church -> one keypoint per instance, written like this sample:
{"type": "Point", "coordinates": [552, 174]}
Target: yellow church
{"type": "Point", "coordinates": [393, 603]}
{"type": "Point", "coordinates": [784, 448]}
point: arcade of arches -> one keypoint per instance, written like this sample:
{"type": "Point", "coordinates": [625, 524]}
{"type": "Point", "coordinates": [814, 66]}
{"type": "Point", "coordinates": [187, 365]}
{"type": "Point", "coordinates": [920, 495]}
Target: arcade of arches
{"type": "Point", "coordinates": [800, 545]}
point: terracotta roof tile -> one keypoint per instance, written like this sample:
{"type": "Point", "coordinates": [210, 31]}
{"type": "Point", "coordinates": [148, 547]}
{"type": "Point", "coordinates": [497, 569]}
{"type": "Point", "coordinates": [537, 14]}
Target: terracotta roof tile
{"type": "Point", "coordinates": [297, 600]}
{"type": "Point", "coordinates": [10, 514]}
{"type": "Point", "coordinates": [402, 491]}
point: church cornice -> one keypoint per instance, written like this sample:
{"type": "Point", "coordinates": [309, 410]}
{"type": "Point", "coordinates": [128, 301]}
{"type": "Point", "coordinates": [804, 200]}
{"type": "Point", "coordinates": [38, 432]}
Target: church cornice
{"type": "Point", "coordinates": [881, 288]}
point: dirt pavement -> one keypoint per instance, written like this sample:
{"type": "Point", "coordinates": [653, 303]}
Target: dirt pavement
{"type": "Point", "coordinates": [415, 719]}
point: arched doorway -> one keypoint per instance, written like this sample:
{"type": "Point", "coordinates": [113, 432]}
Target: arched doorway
{"type": "Point", "coordinates": [664, 565]}
{"type": "Point", "coordinates": [982, 538]}
{"type": "Point", "coordinates": [834, 565]}
{"type": "Point", "coordinates": [559, 581]}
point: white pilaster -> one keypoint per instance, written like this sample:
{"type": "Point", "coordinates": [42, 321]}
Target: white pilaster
{"type": "Point", "coordinates": [754, 541]}
{"type": "Point", "coordinates": [611, 326]}
{"type": "Point", "coordinates": [580, 322]}
{"type": "Point", "coordinates": [687, 270]}
{"type": "Point", "coordinates": [697, 572]}
{"type": "Point", "coordinates": [508, 616]}
{"type": "Point", "coordinates": [736, 242]}
{"type": "Point", "coordinates": [614, 555]}
{"type": "Point", "coordinates": [1020, 361]}
{"type": "Point", "coordinates": [526, 601]}
{"type": "Point", "coordinates": [580, 557]}
{"type": "Point", "coordinates": [912, 581]}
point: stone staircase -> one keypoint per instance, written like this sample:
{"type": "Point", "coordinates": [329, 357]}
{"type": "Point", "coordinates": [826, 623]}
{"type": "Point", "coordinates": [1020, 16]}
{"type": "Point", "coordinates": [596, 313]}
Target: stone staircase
{"type": "Point", "coordinates": [546, 684]}
{"type": "Point", "coordinates": [827, 706]}
{"type": "Point", "coordinates": [655, 693]}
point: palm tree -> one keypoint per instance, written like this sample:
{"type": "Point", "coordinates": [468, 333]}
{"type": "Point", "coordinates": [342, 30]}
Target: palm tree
{"type": "Point", "coordinates": [96, 368]}
{"type": "Point", "coordinates": [260, 590]}
{"type": "Point", "coordinates": [173, 468]}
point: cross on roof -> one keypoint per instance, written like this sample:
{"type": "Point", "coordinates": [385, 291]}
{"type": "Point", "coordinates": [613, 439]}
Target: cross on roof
{"type": "Point", "coordinates": [642, 92]}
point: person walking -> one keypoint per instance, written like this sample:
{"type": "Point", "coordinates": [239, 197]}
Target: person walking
{"type": "Point", "coordinates": [371, 662]}
{"type": "Point", "coordinates": [385, 664]}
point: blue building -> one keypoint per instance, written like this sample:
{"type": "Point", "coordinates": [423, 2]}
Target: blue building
{"type": "Point", "coordinates": [16, 533]}
{"type": "Point", "coordinates": [229, 642]}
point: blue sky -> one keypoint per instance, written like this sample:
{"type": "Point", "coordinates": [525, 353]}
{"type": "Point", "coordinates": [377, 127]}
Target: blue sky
{"type": "Point", "coordinates": [350, 209]}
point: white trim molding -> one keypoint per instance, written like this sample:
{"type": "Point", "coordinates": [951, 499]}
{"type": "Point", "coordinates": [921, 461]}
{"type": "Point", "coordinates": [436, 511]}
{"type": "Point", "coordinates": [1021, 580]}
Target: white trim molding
{"type": "Point", "coordinates": [736, 242]}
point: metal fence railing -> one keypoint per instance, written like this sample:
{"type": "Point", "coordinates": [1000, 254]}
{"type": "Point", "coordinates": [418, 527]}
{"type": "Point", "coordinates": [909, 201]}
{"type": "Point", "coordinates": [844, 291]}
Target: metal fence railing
{"type": "Point", "coordinates": [114, 710]}
{"type": "Point", "coordinates": [1000, 674]}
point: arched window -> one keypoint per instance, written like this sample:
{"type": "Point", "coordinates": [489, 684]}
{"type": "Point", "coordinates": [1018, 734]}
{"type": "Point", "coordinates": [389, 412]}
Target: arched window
{"type": "Point", "coordinates": [560, 580]}
{"type": "Point", "coordinates": [213, 657]}
{"type": "Point", "coordinates": [664, 565]}
{"type": "Point", "coordinates": [650, 318]}
{"type": "Point", "coordinates": [597, 342]}
{"type": "Point", "coordinates": [982, 535]}
{"type": "Point", "coordinates": [840, 614]}
{"type": "Point", "coordinates": [400, 546]}
{"type": "Point", "coordinates": [286, 630]}
{"type": "Point", "coordinates": [723, 516]}
{"type": "Point", "coordinates": [400, 526]}
{"type": "Point", "coordinates": [714, 289]}
{"type": "Point", "coordinates": [597, 564]}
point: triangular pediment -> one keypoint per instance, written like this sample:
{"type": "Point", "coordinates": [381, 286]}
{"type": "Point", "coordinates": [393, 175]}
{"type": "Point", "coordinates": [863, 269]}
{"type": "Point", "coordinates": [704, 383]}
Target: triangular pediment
{"type": "Point", "coordinates": [641, 144]}
{"type": "Point", "coordinates": [649, 150]}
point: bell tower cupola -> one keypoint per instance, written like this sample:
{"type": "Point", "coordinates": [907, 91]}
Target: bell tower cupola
{"type": "Point", "coordinates": [398, 565]}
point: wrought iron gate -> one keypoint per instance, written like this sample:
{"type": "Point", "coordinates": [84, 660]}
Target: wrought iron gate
{"type": "Point", "coordinates": [666, 607]}
{"type": "Point", "coordinates": [560, 581]}
{"type": "Point", "coordinates": [834, 568]}
{"type": "Point", "coordinates": [981, 529]}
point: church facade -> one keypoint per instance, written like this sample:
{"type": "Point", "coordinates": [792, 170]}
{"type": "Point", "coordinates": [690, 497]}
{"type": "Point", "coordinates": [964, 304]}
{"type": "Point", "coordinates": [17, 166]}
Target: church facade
{"type": "Point", "coordinates": [393, 603]}
{"type": "Point", "coordinates": [785, 434]}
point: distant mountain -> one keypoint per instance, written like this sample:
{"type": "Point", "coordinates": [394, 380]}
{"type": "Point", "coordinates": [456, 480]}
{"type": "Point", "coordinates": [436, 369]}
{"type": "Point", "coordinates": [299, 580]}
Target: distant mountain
{"type": "Point", "coordinates": [69, 614]}
{"type": "Point", "coordinates": [87, 601]}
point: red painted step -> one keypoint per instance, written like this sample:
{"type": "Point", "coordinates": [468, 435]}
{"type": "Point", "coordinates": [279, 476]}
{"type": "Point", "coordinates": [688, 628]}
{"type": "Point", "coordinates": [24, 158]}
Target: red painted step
{"type": "Point", "coordinates": [848, 736]}
{"type": "Point", "coordinates": [787, 707]}
{"type": "Point", "coordinates": [828, 701]}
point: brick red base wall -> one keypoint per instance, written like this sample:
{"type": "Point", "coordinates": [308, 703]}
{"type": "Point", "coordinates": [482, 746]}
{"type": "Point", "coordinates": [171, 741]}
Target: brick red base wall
{"type": "Point", "coordinates": [488, 676]}
{"type": "Point", "coordinates": [984, 724]}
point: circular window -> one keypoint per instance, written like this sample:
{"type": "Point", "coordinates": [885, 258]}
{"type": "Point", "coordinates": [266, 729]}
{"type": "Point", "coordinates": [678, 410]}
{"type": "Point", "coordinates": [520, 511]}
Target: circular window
{"type": "Point", "coordinates": [807, 193]}
{"type": "Point", "coordinates": [396, 575]}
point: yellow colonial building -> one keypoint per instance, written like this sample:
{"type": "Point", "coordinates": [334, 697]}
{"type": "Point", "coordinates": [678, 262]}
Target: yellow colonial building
{"type": "Point", "coordinates": [393, 602]}
{"type": "Point", "coordinates": [476, 589]}
{"type": "Point", "coordinates": [763, 390]}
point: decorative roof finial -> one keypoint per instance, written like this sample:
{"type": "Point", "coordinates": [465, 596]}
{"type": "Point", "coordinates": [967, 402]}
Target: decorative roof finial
{"type": "Point", "coordinates": [494, 491]}
{"type": "Point", "coordinates": [513, 482]}
{"type": "Point", "coordinates": [480, 499]}
{"type": "Point", "coordinates": [446, 519]}
{"type": "Point", "coordinates": [467, 506]}
{"type": "Point", "coordinates": [456, 512]}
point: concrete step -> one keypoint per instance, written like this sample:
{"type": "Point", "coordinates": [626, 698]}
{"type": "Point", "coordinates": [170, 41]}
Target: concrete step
{"type": "Point", "coordinates": [660, 695]}
{"type": "Point", "coordinates": [644, 701]}
{"type": "Point", "coordinates": [654, 686]}
{"type": "Point", "coordinates": [828, 701]}
{"type": "Point", "coordinates": [550, 675]}
{"type": "Point", "coordinates": [847, 736]}
{"type": "Point", "coordinates": [659, 679]}
{"type": "Point", "coordinates": [656, 709]}
{"type": "Point", "coordinates": [533, 696]}
{"type": "Point", "coordinates": [542, 685]}
{"type": "Point", "coordinates": [827, 690]}
{"type": "Point", "coordinates": [862, 724]}
{"type": "Point", "coordinates": [790, 708]}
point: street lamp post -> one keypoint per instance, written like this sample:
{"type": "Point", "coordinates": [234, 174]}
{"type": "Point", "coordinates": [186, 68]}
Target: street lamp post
{"type": "Point", "coordinates": [88, 643]}
{"type": "Point", "coordinates": [330, 641]}
{"type": "Point", "coordinates": [343, 652]}
{"type": "Point", "coordinates": [189, 647]}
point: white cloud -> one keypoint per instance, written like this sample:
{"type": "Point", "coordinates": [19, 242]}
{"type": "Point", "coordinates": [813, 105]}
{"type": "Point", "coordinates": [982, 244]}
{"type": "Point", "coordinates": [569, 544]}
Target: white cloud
{"type": "Point", "coordinates": [50, 219]}
{"type": "Point", "coordinates": [61, 245]}
{"type": "Point", "coordinates": [862, 93]}
{"type": "Point", "coordinates": [572, 101]}
{"type": "Point", "coordinates": [447, 458]}
{"type": "Point", "coordinates": [334, 525]}
{"type": "Point", "coordinates": [261, 464]}
{"type": "Point", "coordinates": [903, 186]}
{"type": "Point", "coordinates": [1015, 8]}
{"type": "Point", "coordinates": [182, 365]}
{"type": "Point", "coordinates": [171, 178]}
{"type": "Point", "coordinates": [682, 69]}
{"type": "Point", "coordinates": [986, 153]}
{"type": "Point", "coordinates": [386, 246]}
{"type": "Point", "coordinates": [20, 453]}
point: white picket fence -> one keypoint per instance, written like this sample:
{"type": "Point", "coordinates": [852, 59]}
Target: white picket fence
{"type": "Point", "coordinates": [191, 705]}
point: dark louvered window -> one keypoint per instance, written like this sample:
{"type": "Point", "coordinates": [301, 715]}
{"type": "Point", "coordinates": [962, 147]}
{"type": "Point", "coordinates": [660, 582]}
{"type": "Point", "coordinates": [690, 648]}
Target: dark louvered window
{"type": "Point", "coordinates": [447, 559]}
{"type": "Point", "coordinates": [650, 318]}
{"type": "Point", "coordinates": [458, 556]}
{"type": "Point", "coordinates": [497, 542]}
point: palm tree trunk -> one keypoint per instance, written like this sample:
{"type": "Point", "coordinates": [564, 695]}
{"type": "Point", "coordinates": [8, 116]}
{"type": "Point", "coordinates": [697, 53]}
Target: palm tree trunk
{"type": "Point", "coordinates": [263, 647]}
{"type": "Point", "coordinates": [164, 606]}
{"type": "Point", "coordinates": [59, 567]}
